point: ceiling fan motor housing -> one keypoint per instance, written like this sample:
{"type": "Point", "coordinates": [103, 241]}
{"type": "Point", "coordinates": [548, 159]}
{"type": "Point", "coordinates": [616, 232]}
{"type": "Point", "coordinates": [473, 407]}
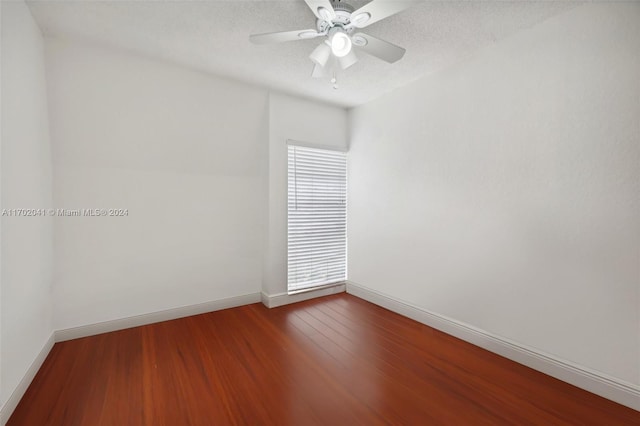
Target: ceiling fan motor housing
{"type": "Point", "coordinates": [341, 5]}
{"type": "Point", "coordinates": [343, 17]}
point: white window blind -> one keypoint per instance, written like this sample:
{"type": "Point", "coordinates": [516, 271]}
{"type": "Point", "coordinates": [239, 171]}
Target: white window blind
{"type": "Point", "coordinates": [317, 217]}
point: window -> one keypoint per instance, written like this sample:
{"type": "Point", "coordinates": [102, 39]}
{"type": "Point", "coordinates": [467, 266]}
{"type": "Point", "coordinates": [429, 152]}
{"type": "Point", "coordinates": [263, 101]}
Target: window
{"type": "Point", "coordinates": [317, 218]}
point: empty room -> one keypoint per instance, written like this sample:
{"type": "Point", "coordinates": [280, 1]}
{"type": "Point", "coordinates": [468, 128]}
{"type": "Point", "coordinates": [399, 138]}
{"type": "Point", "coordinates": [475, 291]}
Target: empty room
{"type": "Point", "coordinates": [319, 212]}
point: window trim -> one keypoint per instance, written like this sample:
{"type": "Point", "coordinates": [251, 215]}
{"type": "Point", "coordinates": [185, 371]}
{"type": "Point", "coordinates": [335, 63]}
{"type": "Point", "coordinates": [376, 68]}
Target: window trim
{"type": "Point", "coordinates": [293, 142]}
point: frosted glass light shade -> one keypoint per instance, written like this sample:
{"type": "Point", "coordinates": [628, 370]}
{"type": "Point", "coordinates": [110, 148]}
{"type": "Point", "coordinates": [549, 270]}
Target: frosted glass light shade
{"type": "Point", "coordinates": [348, 60]}
{"type": "Point", "coordinates": [340, 44]}
{"type": "Point", "coordinates": [320, 55]}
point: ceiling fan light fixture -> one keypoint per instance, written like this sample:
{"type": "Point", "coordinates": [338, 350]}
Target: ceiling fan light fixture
{"type": "Point", "coordinates": [320, 55]}
{"type": "Point", "coordinates": [340, 44]}
{"type": "Point", "coordinates": [360, 19]}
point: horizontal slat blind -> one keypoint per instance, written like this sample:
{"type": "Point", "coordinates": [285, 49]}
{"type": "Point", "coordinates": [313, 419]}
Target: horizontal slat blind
{"type": "Point", "coordinates": [317, 217]}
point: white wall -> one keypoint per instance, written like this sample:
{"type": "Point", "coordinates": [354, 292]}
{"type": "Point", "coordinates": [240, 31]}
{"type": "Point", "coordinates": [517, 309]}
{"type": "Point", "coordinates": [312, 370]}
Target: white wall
{"type": "Point", "coordinates": [195, 159]}
{"type": "Point", "coordinates": [503, 192]}
{"type": "Point", "coordinates": [26, 263]}
{"type": "Point", "coordinates": [184, 152]}
{"type": "Point", "coordinates": [308, 122]}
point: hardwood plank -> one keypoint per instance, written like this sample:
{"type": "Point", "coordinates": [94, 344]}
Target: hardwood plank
{"type": "Point", "coordinates": [337, 360]}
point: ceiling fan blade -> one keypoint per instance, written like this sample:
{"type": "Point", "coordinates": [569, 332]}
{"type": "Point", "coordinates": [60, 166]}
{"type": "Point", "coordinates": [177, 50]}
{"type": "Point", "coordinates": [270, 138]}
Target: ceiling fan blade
{"type": "Point", "coordinates": [283, 36]}
{"type": "Point", "coordinates": [379, 9]}
{"type": "Point", "coordinates": [322, 9]}
{"type": "Point", "coordinates": [379, 48]}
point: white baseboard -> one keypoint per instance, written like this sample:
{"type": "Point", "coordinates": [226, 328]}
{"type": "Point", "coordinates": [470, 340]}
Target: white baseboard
{"type": "Point", "coordinates": [18, 392]}
{"type": "Point", "coordinates": [281, 299]}
{"type": "Point", "coordinates": [593, 381]}
{"type": "Point", "coordinates": [150, 318]}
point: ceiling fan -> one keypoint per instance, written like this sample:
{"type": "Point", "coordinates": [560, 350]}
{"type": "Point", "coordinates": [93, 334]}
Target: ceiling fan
{"type": "Point", "coordinates": [339, 23]}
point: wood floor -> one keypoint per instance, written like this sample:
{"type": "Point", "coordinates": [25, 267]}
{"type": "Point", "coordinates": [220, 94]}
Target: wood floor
{"type": "Point", "coordinates": [337, 360]}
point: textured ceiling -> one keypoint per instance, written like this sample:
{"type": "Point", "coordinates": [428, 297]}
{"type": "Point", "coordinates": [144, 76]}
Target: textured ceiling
{"type": "Point", "coordinates": [213, 36]}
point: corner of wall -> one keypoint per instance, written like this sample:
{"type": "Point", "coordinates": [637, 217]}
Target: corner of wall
{"type": "Point", "coordinates": [25, 151]}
